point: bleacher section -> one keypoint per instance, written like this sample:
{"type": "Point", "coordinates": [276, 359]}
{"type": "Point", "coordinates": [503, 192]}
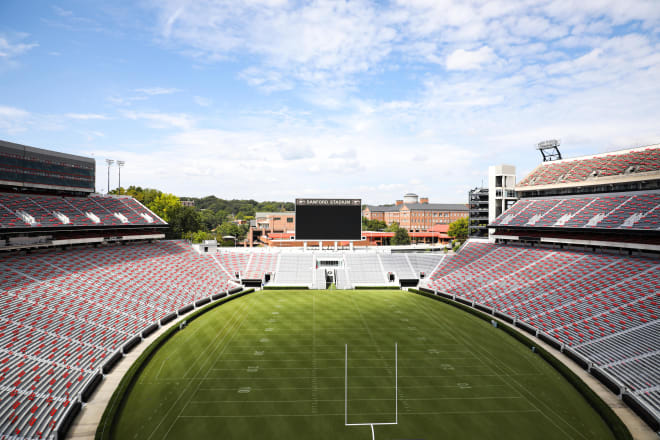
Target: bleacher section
{"type": "Point", "coordinates": [294, 270]}
{"type": "Point", "coordinates": [626, 211]}
{"type": "Point", "coordinates": [398, 264]}
{"type": "Point", "coordinates": [424, 263]}
{"type": "Point", "coordinates": [63, 314]}
{"type": "Point", "coordinates": [581, 170]}
{"type": "Point", "coordinates": [364, 269]}
{"type": "Point", "coordinates": [41, 211]}
{"type": "Point", "coordinates": [260, 264]}
{"type": "Point", "coordinates": [605, 306]}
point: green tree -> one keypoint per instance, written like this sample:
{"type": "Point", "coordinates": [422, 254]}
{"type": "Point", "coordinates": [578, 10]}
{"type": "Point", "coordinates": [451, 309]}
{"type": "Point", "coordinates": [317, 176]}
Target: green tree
{"type": "Point", "coordinates": [373, 225]}
{"type": "Point", "coordinates": [164, 205]}
{"type": "Point", "coordinates": [458, 230]}
{"type": "Point", "coordinates": [393, 227]}
{"type": "Point", "coordinates": [182, 219]}
{"type": "Point", "coordinates": [400, 237]}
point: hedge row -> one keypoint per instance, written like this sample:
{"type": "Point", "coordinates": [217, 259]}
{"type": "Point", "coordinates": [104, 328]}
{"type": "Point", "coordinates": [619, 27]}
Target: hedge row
{"type": "Point", "coordinates": [377, 288]}
{"type": "Point", "coordinates": [108, 421]}
{"type": "Point", "coordinates": [286, 288]}
{"type": "Point", "coordinates": [615, 424]}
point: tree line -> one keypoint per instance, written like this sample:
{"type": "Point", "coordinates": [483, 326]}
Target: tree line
{"type": "Point", "coordinates": [215, 218]}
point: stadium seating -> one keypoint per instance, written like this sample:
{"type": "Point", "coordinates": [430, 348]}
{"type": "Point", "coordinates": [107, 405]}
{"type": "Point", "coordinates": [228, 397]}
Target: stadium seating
{"type": "Point", "coordinates": [364, 269]}
{"type": "Point", "coordinates": [639, 210]}
{"type": "Point", "coordinates": [41, 211]}
{"type": "Point", "coordinates": [398, 264]}
{"type": "Point", "coordinates": [639, 160]}
{"type": "Point", "coordinates": [260, 264]}
{"type": "Point", "coordinates": [64, 313]}
{"type": "Point", "coordinates": [603, 305]}
{"type": "Point", "coordinates": [294, 269]}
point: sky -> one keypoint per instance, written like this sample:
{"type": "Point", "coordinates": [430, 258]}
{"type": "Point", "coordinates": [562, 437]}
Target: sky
{"type": "Point", "coordinates": [278, 99]}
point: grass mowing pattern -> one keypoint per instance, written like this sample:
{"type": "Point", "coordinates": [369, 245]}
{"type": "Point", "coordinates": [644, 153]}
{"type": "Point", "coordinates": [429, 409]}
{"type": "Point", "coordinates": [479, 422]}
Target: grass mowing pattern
{"type": "Point", "coordinates": [271, 365]}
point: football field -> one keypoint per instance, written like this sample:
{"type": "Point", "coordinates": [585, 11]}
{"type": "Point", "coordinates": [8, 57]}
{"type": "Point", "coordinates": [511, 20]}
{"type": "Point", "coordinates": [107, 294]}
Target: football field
{"type": "Point", "coordinates": [304, 364]}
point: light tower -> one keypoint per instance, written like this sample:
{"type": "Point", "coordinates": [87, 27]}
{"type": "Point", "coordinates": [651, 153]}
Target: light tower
{"type": "Point", "coordinates": [109, 162]}
{"type": "Point", "coordinates": [120, 163]}
{"type": "Point", "coordinates": [549, 150]}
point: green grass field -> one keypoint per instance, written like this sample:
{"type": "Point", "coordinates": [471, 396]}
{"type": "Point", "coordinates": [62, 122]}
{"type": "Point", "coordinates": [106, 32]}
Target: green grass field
{"type": "Point", "coordinates": [271, 365]}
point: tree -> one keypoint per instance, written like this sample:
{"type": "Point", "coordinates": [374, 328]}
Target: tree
{"type": "Point", "coordinates": [183, 219]}
{"type": "Point", "coordinates": [164, 205]}
{"type": "Point", "coordinates": [458, 230]}
{"type": "Point", "coordinates": [373, 225]}
{"type": "Point", "coordinates": [400, 237]}
{"type": "Point", "coordinates": [393, 227]}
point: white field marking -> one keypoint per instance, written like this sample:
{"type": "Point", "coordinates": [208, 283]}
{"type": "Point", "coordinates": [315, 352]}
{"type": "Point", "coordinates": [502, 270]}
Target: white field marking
{"type": "Point", "coordinates": [251, 369]}
{"type": "Point", "coordinates": [220, 379]}
{"type": "Point", "coordinates": [446, 367]}
{"type": "Point", "coordinates": [161, 367]}
{"type": "Point", "coordinates": [453, 332]}
{"type": "Point", "coordinates": [396, 392]}
{"type": "Point", "coordinates": [251, 347]}
{"type": "Point", "coordinates": [244, 390]}
{"type": "Point", "coordinates": [420, 399]}
{"type": "Point", "coordinates": [223, 416]}
{"type": "Point", "coordinates": [263, 340]}
{"type": "Point", "coordinates": [195, 361]}
{"type": "Point", "coordinates": [414, 361]}
{"type": "Point", "coordinates": [357, 387]}
{"type": "Point", "coordinates": [233, 333]}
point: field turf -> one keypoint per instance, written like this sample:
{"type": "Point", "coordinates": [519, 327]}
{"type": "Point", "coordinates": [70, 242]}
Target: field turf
{"type": "Point", "coordinates": [271, 365]}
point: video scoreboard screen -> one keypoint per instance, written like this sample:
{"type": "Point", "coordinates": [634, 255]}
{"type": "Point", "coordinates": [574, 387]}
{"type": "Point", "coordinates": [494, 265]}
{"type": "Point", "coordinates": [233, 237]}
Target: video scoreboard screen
{"type": "Point", "coordinates": [329, 219]}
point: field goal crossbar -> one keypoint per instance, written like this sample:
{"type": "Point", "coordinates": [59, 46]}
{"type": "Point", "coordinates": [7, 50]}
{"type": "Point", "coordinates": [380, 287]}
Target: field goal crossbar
{"type": "Point", "coordinates": [396, 394]}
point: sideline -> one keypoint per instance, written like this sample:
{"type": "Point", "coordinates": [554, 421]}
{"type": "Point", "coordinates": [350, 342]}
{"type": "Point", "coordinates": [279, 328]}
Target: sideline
{"type": "Point", "coordinates": [639, 430]}
{"type": "Point", "coordinates": [637, 427]}
{"type": "Point", "coordinates": [87, 421]}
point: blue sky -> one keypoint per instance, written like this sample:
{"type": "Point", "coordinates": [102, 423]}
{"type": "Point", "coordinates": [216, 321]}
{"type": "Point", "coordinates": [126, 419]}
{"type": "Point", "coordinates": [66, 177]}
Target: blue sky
{"type": "Point", "coordinates": [274, 99]}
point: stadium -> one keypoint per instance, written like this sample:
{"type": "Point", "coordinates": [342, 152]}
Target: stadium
{"type": "Point", "coordinates": [330, 219]}
{"type": "Point", "coordinates": [549, 329]}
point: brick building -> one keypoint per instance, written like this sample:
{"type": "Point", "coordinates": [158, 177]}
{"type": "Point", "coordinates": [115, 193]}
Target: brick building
{"type": "Point", "coordinates": [416, 214]}
{"type": "Point", "coordinates": [266, 223]}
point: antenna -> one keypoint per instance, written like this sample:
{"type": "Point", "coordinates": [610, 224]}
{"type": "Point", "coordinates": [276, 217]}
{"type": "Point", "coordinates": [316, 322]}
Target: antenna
{"type": "Point", "coordinates": [549, 150]}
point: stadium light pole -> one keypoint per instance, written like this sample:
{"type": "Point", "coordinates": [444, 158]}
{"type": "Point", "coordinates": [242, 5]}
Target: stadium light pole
{"type": "Point", "coordinates": [120, 163]}
{"type": "Point", "coordinates": [109, 162]}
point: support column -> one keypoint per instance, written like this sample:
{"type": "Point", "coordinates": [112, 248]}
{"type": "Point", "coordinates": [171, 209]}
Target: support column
{"type": "Point", "coordinates": [335, 246]}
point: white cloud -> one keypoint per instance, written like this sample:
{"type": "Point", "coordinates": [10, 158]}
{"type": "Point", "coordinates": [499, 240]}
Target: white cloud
{"type": "Point", "coordinates": [86, 116]}
{"type": "Point", "coordinates": [201, 101]}
{"type": "Point", "coordinates": [461, 59]}
{"type": "Point", "coordinates": [13, 120]}
{"type": "Point", "coordinates": [13, 47]}
{"type": "Point", "coordinates": [152, 91]}
{"type": "Point", "coordinates": [162, 120]}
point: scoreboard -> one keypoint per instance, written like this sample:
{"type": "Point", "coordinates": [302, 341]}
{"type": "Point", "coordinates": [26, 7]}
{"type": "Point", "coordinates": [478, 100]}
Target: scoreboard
{"type": "Point", "coordinates": [329, 219]}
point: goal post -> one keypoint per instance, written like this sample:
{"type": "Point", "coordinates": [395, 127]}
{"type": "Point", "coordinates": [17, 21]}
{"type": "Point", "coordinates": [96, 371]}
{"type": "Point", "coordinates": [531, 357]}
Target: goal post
{"type": "Point", "coordinates": [396, 392]}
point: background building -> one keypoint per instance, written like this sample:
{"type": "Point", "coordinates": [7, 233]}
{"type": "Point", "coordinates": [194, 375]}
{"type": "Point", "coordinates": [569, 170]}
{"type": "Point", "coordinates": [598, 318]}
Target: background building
{"type": "Point", "coordinates": [501, 190]}
{"type": "Point", "coordinates": [478, 214]}
{"type": "Point", "coordinates": [415, 213]}
{"type": "Point", "coordinates": [266, 223]}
